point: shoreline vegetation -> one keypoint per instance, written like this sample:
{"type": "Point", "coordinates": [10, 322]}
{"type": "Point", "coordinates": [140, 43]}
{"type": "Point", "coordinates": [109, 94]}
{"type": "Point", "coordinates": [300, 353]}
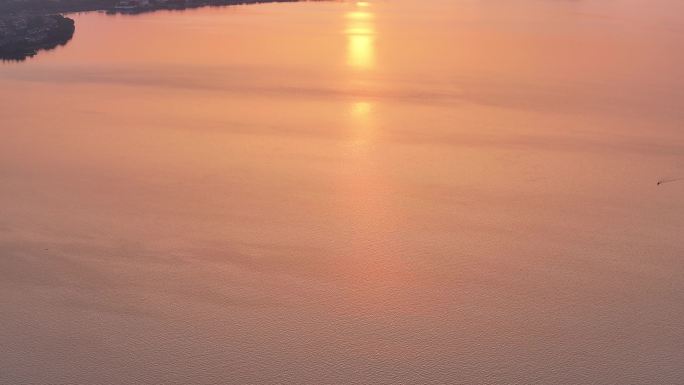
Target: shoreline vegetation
{"type": "Point", "coordinates": [30, 26]}
{"type": "Point", "coordinates": [23, 36]}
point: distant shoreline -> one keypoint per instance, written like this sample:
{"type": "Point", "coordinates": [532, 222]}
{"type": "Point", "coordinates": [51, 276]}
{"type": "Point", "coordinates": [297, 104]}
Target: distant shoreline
{"type": "Point", "coordinates": [30, 26]}
{"type": "Point", "coordinates": [41, 7]}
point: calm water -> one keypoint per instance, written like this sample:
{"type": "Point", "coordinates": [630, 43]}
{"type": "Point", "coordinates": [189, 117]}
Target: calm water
{"type": "Point", "coordinates": [402, 191]}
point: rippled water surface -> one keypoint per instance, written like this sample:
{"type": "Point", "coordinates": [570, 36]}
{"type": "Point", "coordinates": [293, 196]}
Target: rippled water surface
{"type": "Point", "coordinates": [437, 191]}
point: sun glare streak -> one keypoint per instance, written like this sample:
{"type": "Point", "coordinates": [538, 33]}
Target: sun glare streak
{"type": "Point", "coordinates": [359, 15]}
{"type": "Point", "coordinates": [360, 31]}
{"type": "Point", "coordinates": [361, 51]}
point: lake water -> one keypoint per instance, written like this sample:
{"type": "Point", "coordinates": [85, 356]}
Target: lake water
{"type": "Point", "coordinates": [437, 191]}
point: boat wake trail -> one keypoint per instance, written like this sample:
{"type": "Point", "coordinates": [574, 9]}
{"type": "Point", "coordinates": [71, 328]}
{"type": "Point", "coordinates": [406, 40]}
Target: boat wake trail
{"type": "Point", "coordinates": [664, 181]}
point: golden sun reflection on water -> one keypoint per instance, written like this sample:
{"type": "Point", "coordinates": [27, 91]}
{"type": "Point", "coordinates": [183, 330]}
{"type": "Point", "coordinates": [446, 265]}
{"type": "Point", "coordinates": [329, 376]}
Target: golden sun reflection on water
{"type": "Point", "coordinates": [369, 215]}
{"type": "Point", "coordinates": [360, 31]}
